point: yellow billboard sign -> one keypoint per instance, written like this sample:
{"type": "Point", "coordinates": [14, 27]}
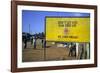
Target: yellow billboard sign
{"type": "Point", "coordinates": [68, 29]}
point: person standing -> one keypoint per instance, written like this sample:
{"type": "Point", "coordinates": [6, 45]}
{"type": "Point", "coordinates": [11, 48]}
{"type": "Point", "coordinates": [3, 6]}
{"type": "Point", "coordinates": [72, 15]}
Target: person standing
{"type": "Point", "coordinates": [82, 51]}
{"type": "Point", "coordinates": [25, 41]}
{"type": "Point", "coordinates": [31, 40]}
{"type": "Point", "coordinates": [70, 49]}
{"type": "Point", "coordinates": [42, 41]}
{"type": "Point", "coordinates": [35, 39]}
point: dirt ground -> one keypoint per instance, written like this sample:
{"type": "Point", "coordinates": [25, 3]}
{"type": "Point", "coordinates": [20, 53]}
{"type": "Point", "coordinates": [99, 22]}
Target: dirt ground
{"type": "Point", "coordinates": [50, 53]}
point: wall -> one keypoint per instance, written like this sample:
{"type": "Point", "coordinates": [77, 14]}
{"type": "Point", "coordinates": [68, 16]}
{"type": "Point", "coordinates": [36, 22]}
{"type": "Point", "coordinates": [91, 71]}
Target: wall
{"type": "Point", "coordinates": [5, 40]}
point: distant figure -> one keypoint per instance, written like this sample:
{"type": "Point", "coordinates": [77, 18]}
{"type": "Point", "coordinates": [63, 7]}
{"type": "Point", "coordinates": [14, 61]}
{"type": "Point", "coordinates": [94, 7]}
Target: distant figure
{"type": "Point", "coordinates": [35, 39]}
{"type": "Point", "coordinates": [82, 52]}
{"type": "Point", "coordinates": [70, 46]}
{"type": "Point", "coordinates": [72, 51]}
{"type": "Point", "coordinates": [42, 41]}
{"type": "Point", "coordinates": [31, 40]}
{"type": "Point", "coordinates": [25, 42]}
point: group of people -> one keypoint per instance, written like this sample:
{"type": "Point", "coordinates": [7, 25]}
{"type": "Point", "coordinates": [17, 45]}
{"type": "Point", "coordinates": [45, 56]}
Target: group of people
{"type": "Point", "coordinates": [83, 50]}
{"type": "Point", "coordinates": [72, 51]}
{"type": "Point", "coordinates": [34, 41]}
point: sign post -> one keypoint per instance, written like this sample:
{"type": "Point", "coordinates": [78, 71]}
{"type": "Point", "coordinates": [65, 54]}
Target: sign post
{"type": "Point", "coordinates": [68, 29]}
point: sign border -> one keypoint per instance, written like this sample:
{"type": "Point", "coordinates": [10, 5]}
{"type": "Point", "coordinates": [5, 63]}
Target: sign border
{"type": "Point", "coordinates": [62, 17]}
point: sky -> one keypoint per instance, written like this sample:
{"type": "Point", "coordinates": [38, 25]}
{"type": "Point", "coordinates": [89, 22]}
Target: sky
{"type": "Point", "coordinates": [34, 21]}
